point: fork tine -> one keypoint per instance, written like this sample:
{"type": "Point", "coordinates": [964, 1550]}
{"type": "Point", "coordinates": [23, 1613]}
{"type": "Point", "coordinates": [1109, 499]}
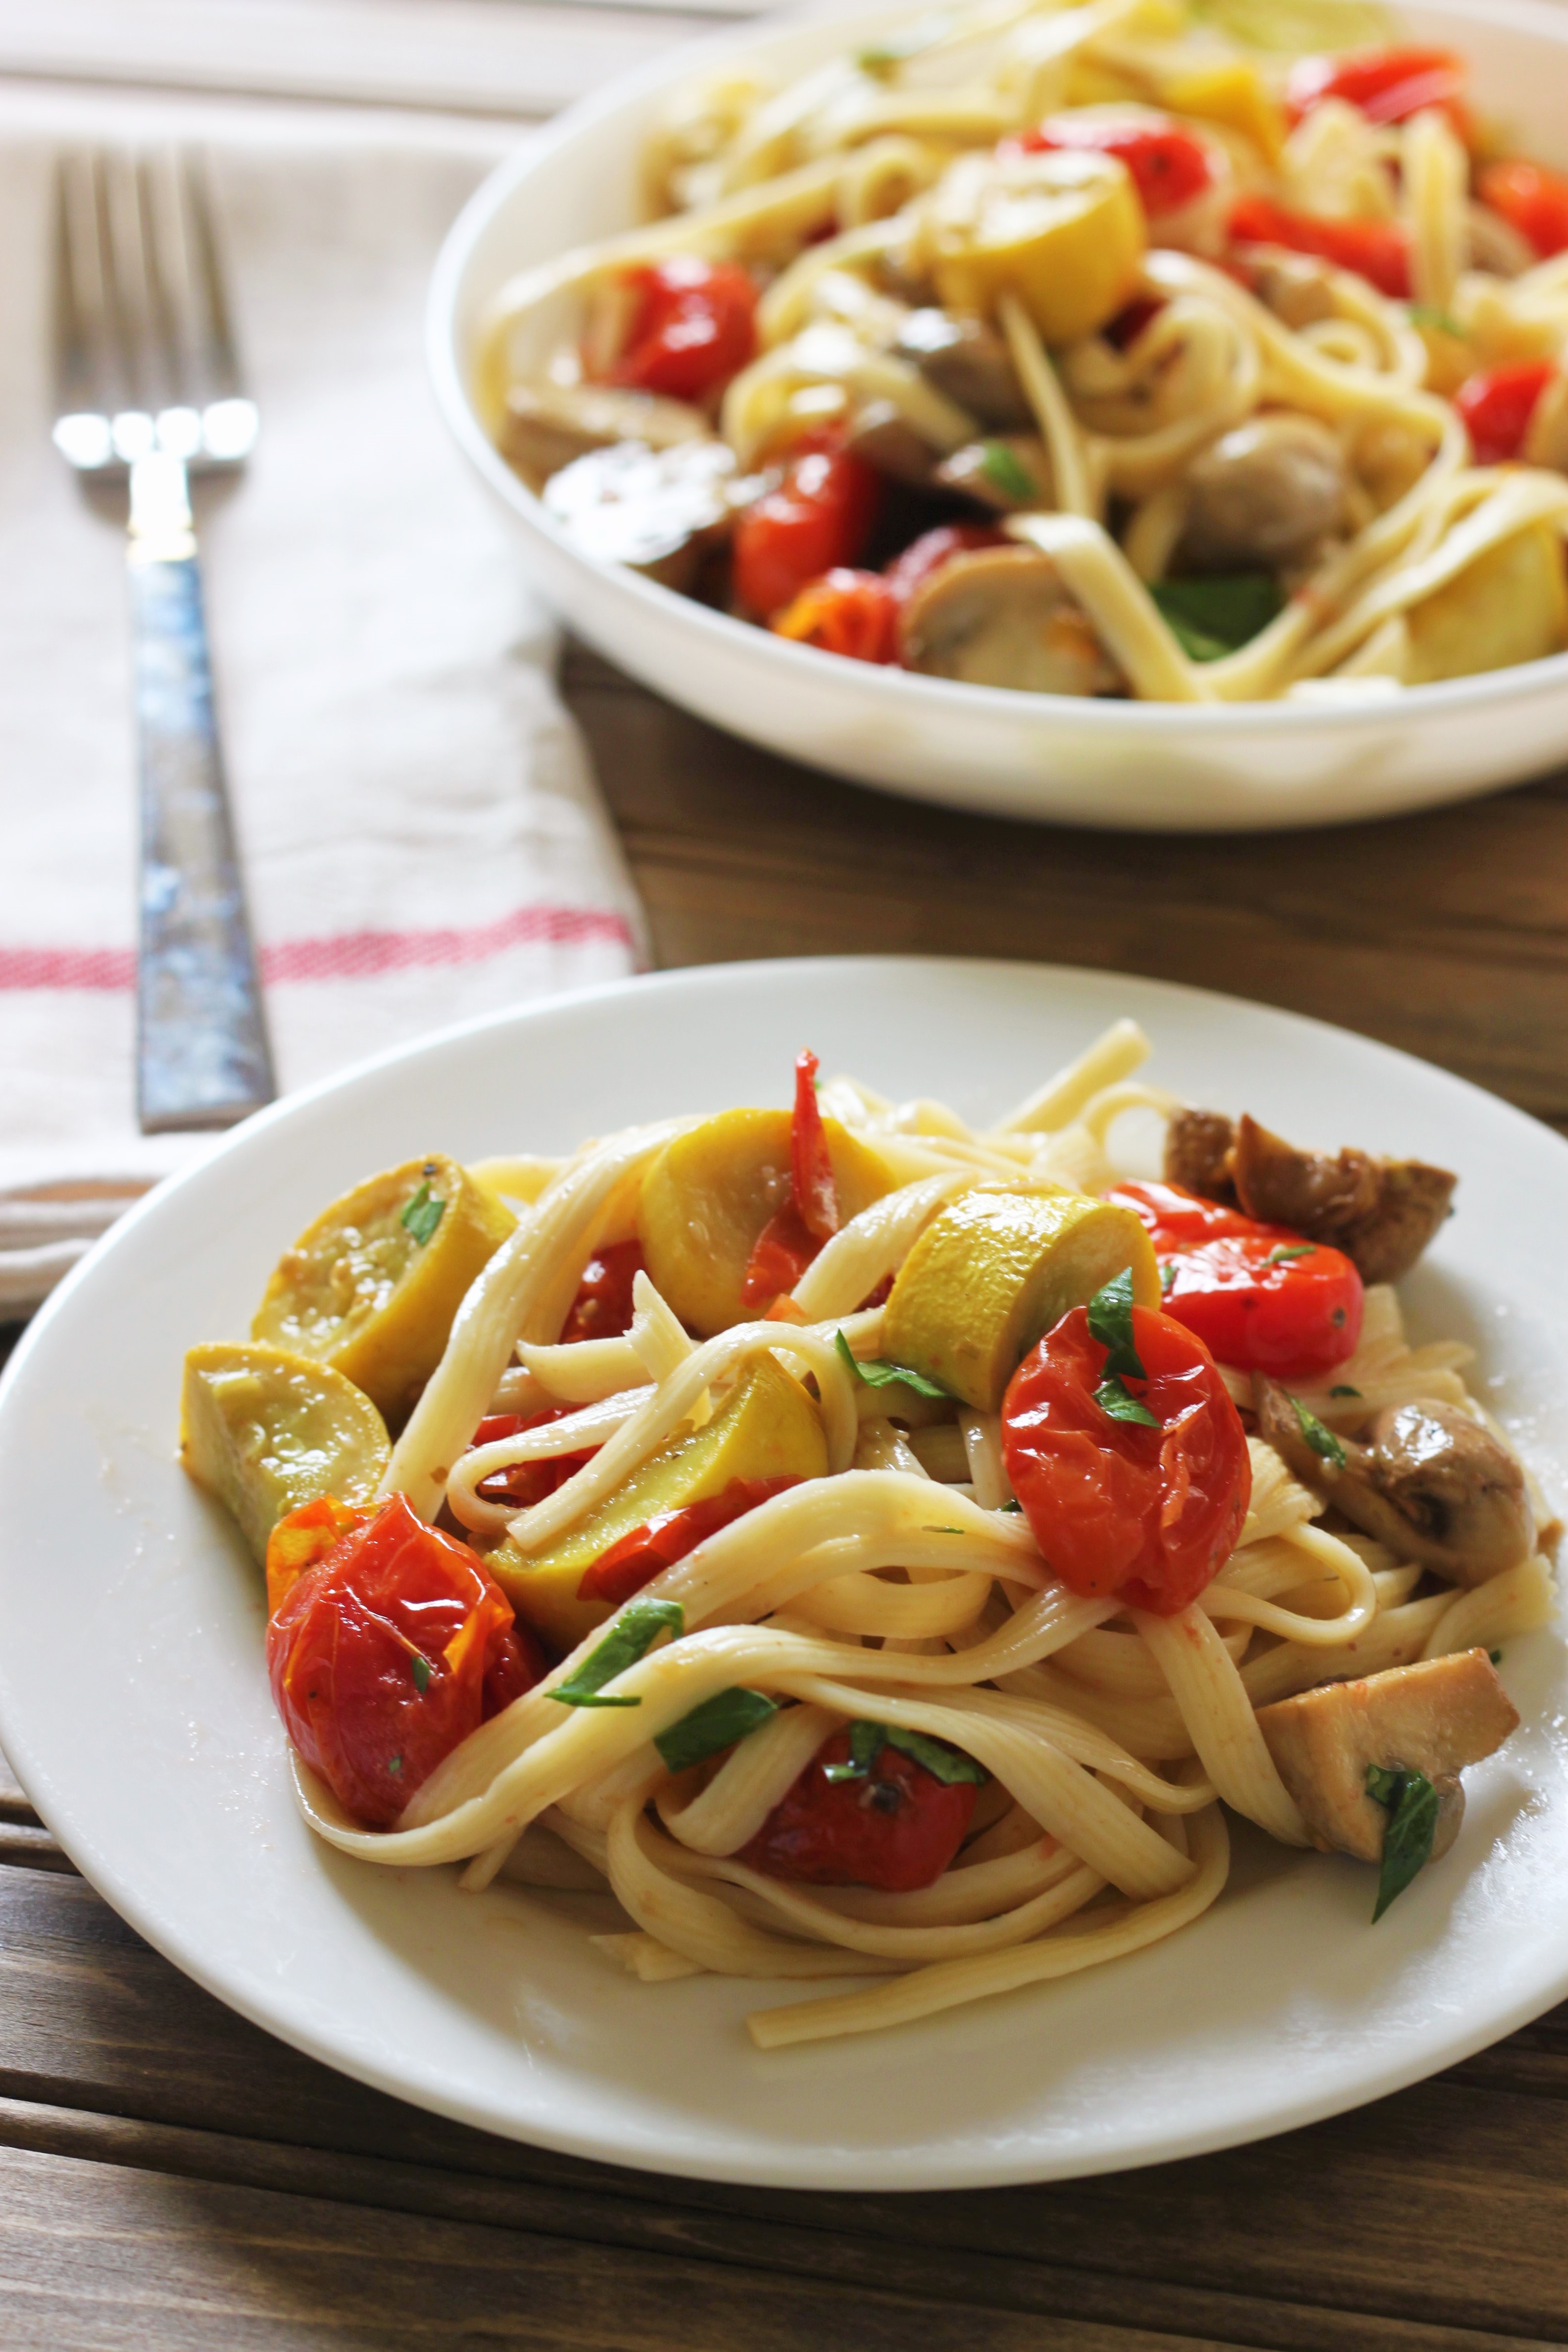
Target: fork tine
{"type": "Point", "coordinates": [77, 374]}
{"type": "Point", "coordinates": [221, 358]}
{"type": "Point", "coordinates": [122, 338]}
{"type": "Point", "coordinates": [166, 357]}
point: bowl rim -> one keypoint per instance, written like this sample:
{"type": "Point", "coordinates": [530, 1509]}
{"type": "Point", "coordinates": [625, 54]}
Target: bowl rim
{"type": "Point", "coordinates": [874, 685]}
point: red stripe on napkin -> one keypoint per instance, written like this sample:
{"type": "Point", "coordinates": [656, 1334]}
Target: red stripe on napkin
{"type": "Point", "coordinates": [342, 955]}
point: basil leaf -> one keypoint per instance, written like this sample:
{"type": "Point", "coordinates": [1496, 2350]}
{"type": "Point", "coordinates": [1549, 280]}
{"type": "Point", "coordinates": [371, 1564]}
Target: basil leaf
{"type": "Point", "coordinates": [1113, 1397]}
{"type": "Point", "coordinates": [631, 1637]}
{"type": "Point", "coordinates": [865, 1746]}
{"type": "Point", "coordinates": [394, 1763]}
{"type": "Point", "coordinates": [422, 1671]}
{"type": "Point", "coordinates": [877, 1373]}
{"type": "Point", "coordinates": [1344, 1391]}
{"type": "Point", "coordinates": [1496, 1657]}
{"type": "Point", "coordinates": [1006, 473]}
{"type": "Point", "coordinates": [1011, 1504]}
{"type": "Point", "coordinates": [1324, 1442]}
{"type": "Point", "coordinates": [1110, 1322]}
{"type": "Point", "coordinates": [718, 1723]}
{"type": "Point", "coordinates": [948, 1765]}
{"type": "Point", "coordinates": [423, 1213]}
{"type": "Point", "coordinates": [1167, 1277]}
{"type": "Point", "coordinates": [1283, 1257]}
{"type": "Point", "coordinates": [1412, 1804]}
{"type": "Point", "coordinates": [1212, 614]}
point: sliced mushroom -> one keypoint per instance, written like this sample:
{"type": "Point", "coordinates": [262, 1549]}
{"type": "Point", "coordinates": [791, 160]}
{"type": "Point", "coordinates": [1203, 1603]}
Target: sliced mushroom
{"type": "Point", "coordinates": [1001, 616]}
{"type": "Point", "coordinates": [884, 436]}
{"type": "Point", "coordinates": [1496, 245]}
{"type": "Point", "coordinates": [968, 362]}
{"type": "Point", "coordinates": [1009, 471]}
{"type": "Point", "coordinates": [546, 425]}
{"type": "Point", "coordinates": [656, 510]}
{"type": "Point", "coordinates": [1426, 1480]}
{"type": "Point", "coordinates": [1264, 495]}
{"type": "Point", "coordinates": [1297, 287]}
{"type": "Point", "coordinates": [1435, 1717]}
{"type": "Point", "coordinates": [1381, 1212]}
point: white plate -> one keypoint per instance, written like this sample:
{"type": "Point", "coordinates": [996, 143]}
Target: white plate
{"type": "Point", "coordinates": [134, 1703]}
{"type": "Point", "coordinates": [1146, 766]}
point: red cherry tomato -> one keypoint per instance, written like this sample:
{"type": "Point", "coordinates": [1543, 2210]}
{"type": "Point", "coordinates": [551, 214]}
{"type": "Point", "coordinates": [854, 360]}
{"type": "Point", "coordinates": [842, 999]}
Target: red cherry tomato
{"type": "Point", "coordinates": [1124, 330]}
{"type": "Point", "coordinates": [818, 519]}
{"type": "Point", "coordinates": [387, 1653]}
{"type": "Point", "coordinates": [1117, 1508]}
{"type": "Point", "coordinates": [1378, 250]}
{"type": "Point", "coordinates": [603, 1307]}
{"type": "Point", "coordinates": [898, 1828]}
{"type": "Point", "coordinates": [1168, 165]}
{"type": "Point", "coordinates": [693, 327]}
{"type": "Point", "coordinates": [1532, 199]}
{"type": "Point", "coordinates": [925, 556]}
{"type": "Point", "coordinates": [526, 1483]}
{"type": "Point", "coordinates": [668, 1536]}
{"type": "Point", "coordinates": [845, 612]}
{"type": "Point", "coordinates": [1386, 85]}
{"type": "Point", "coordinates": [1498, 404]}
{"type": "Point", "coordinates": [1257, 1296]}
{"type": "Point", "coordinates": [795, 1233]}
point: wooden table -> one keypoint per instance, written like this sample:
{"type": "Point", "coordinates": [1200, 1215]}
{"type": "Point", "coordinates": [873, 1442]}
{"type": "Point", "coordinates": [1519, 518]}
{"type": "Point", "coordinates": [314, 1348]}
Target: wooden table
{"type": "Point", "coordinates": [171, 2177]}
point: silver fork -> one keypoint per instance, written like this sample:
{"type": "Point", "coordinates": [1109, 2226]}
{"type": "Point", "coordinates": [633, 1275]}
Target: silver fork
{"type": "Point", "coordinates": [149, 393]}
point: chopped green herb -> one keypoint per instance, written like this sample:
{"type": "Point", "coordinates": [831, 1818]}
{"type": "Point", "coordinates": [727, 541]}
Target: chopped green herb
{"type": "Point", "coordinates": [1427, 314]}
{"type": "Point", "coordinates": [1412, 1805]}
{"type": "Point", "coordinates": [865, 1746]}
{"type": "Point", "coordinates": [941, 1531]}
{"type": "Point", "coordinates": [878, 1374]}
{"type": "Point", "coordinates": [718, 1723]}
{"type": "Point", "coordinates": [394, 1763]}
{"type": "Point", "coordinates": [423, 1215]}
{"type": "Point", "coordinates": [1167, 1278]}
{"type": "Point", "coordinates": [1283, 1257]}
{"type": "Point", "coordinates": [1343, 1390]}
{"type": "Point", "coordinates": [630, 1637]}
{"type": "Point", "coordinates": [948, 1765]}
{"type": "Point", "coordinates": [1110, 1322]}
{"type": "Point", "coordinates": [422, 1671]}
{"type": "Point", "coordinates": [1324, 1442]}
{"type": "Point", "coordinates": [1011, 1504]}
{"type": "Point", "coordinates": [1114, 1397]}
{"type": "Point", "coordinates": [1212, 615]}
{"type": "Point", "coordinates": [1496, 1657]}
{"type": "Point", "coordinates": [1006, 473]}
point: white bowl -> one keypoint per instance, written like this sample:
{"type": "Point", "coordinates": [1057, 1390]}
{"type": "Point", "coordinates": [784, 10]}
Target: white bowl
{"type": "Point", "coordinates": [1144, 766]}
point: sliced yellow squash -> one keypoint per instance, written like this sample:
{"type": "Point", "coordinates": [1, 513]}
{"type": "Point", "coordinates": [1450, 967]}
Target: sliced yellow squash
{"type": "Point", "coordinates": [373, 1286]}
{"type": "Point", "coordinates": [1509, 606]}
{"type": "Point", "coordinates": [264, 1431]}
{"type": "Point", "coordinates": [1063, 231]}
{"type": "Point", "coordinates": [995, 1271]}
{"type": "Point", "coordinates": [709, 1194]}
{"type": "Point", "coordinates": [767, 1428]}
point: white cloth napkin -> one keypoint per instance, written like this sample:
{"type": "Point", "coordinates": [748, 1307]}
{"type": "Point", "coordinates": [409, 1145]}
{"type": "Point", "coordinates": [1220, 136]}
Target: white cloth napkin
{"type": "Point", "coordinates": [421, 835]}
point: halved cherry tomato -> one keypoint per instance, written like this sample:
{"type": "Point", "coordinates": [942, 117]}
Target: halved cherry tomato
{"type": "Point", "coordinates": [795, 1233]}
{"type": "Point", "coordinates": [526, 1483]}
{"type": "Point", "coordinates": [1123, 330]}
{"type": "Point", "coordinates": [897, 1828]}
{"type": "Point", "coordinates": [693, 328]}
{"type": "Point", "coordinates": [1498, 404]}
{"type": "Point", "coordinates": [925, 556]}
{"type": "Point", "coordinates": [818, 518]}
{"type": "Point", "coordinates": [1168, 165]}
{"type": "Point", "coordinates": [1150, 1515]}
{"type": "Point", "coordinates": [1386, 85]}
{"type": "Point", "coordinates": [388, 1654]}
{"type": "Point", "coordinates": [1259, 1295]}
{"type": "Point", "coordinates": [845, 612]}
{"type": "Point", "coordinates": [1378, 250]}
{"type": "Point", "coordinates": [668, 1536]}
{"type": "Point", "coordinates": [300, 1538]}
{"type": "Point", "coordinates": [603, 1307]}
{"type": "Point", "coordinates": [1532, 199]}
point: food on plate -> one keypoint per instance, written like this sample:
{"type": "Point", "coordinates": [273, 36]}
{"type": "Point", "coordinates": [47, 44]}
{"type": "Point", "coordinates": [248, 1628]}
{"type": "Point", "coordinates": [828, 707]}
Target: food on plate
{"type": "Point", "coordinates": [874, 1546]}
{"type": "Point", "coordinates": [1249, 361]}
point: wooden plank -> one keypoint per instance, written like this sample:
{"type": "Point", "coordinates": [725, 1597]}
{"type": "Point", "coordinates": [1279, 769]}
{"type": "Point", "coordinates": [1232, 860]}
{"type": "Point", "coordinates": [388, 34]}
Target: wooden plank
{"type": "Point", "coordinates": [1445, 2209]}
{"type": "Point", "coordinates": [15, 1805]}
{"type": "Point", "coordinates": [1445, 934]}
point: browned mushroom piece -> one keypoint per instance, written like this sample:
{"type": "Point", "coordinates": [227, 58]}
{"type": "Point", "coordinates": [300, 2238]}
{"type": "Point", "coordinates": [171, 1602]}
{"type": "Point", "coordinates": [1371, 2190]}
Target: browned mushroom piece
{"type": "Point", "coordinates": [1426, 1480]}
{"type": "Point", "coordinates": [1264, 495]}
{"type": "Point", "coordinates": [1297, 287]}
{"type": "Point", "coordinates": [967, 360]}
{"type": "Point", "coordinates": [1435, 1717]}
{"type": "Point", "coordinates": [547, 425]}
{"type": "Point", "coordinates": [884, 437]}
{"type": "Point", "coordinates": [1003, 617]}
{"type": "Point", "coordinates": [1381, 1212]}
{"type": "Point", "coordinates": [656, 510]}
{"type": "Point", "coordinates": [1008, 471]}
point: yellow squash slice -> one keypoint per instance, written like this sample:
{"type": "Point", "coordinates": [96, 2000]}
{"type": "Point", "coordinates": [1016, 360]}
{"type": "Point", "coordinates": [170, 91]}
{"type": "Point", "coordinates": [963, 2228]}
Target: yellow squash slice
{"type": "Point", "coordinates": [373, 1286]}
{"type": "Point", "coordinates": [1063, 231]}
{"type": "Point", "coordinates": [767, 1428]}
{"type": "Point", "coordinates": [264, 1431]}
{"type": "Point", "coordinates": [995, 1271]}
{"type": "Point", "coordinates": [1509, 606]}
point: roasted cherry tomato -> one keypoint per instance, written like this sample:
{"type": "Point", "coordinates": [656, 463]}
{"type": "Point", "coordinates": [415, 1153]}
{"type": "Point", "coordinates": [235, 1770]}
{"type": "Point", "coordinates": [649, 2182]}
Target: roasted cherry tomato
{"type": "Point", "coordinates": [387, 1653]}
{"type": "Point", "coordinates": [926, 555]}
{"type": "Point", "coordinates": [1378, 250]}
{"type": "Point", "coordinates": [603, 1307]}
{"type": "Point", "coordinates": [1386, 85]}
{"type": "Point", "coordinates": [1147, 1514]}
{"type": "Point", "coordinates": [1534, 200]}
{"type": "Point", "coordinates": [897, 1828]}
{"type": "Point", "coordinates": [526, 1483]}
{"type": "Point", "coordinates": [1168, 165]}
{"type": "Point", "coordinates": [1123, 330]}
{"type": "Point", "coordinates": [1498, 404]}
{"type": "Point", "coordinates": [818, 519]}
{"type": "Point", "coordinates": [693, 327]}
{"type": "Point", "coordinates": [794, 1234]}
{"type": "Point", "coordinates": [850, 613]}
{"type": "Point", "coordinates": [1257, 1296]}
{"type": "Point", "coordinates": [668, 1536]}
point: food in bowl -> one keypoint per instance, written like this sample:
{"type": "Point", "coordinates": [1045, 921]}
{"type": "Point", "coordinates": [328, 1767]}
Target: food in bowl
{"type": "Point", "coordinates": [1095, 351]}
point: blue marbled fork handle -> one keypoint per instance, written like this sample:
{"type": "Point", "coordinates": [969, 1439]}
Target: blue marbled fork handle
{"type": "Point", "coordinates": [202, 1053]}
